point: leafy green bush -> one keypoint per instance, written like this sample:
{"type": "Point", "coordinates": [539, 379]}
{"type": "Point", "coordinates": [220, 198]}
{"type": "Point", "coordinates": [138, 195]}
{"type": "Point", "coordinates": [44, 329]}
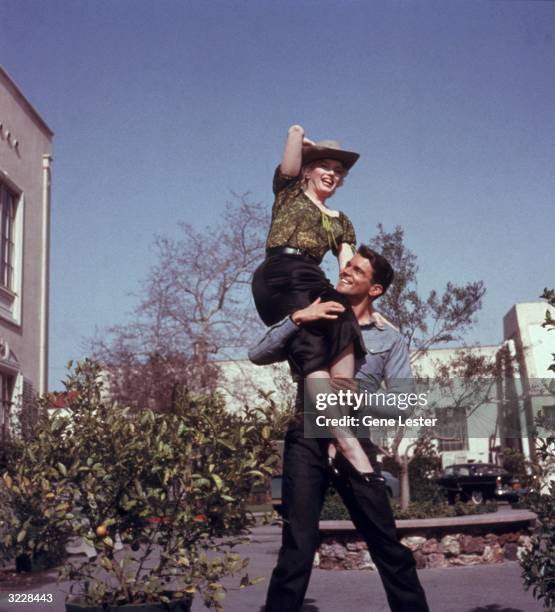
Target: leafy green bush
{"type": "Point", "coordinates": [423, 472]}
{"type": "Point", "coordinates": [169, 487]}
{"type": "Point", "coordinates": [334, 509]}
{"type": "Point", "coordinates": [431, 509]}
{"type": "Point", "coordinates": [538, 563]}
{"type": "Point", "coordinates": [515, 463]}
{"type": "Point", "coordinates": [424, 468]}
{"type": "Point", "coordinates": [34, 512]}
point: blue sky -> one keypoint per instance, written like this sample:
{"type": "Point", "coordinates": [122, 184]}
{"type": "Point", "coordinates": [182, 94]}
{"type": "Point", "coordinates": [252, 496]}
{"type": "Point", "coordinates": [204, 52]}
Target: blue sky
{"type": "Point", "coordinates": [161, 108]}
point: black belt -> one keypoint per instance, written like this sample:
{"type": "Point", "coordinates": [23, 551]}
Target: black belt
{"type": "Point", "coordinates": [290, 251]}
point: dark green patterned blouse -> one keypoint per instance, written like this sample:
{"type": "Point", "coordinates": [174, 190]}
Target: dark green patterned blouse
{"type": "Point", "coordinates": [297, 222]}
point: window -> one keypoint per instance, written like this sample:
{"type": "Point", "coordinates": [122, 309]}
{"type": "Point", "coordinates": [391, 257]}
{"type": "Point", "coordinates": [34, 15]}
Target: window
{"type": "Point", "coordinates": [6, 390]}
{"type": "Point", "coordinates": [453, 431]}
{"type": "Point", "coordinates": [8, 203]}
{"type": "Point", "coordinates": [548, 417]}
{"type": "Point", "coordinates": [11, 248]}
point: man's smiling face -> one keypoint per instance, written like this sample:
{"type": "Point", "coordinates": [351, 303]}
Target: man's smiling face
{"type": "Point", "coordinates": [355, 279]}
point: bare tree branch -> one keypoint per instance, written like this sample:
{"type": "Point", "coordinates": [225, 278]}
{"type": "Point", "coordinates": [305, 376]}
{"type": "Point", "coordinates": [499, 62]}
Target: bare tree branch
{"type": "Point", "coordinates": [194, 303]}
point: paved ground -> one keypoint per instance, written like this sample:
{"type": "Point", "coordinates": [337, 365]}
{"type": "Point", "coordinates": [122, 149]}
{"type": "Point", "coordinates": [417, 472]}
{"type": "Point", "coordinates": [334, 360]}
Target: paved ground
{"type": "Point", "coordinates": [496, 588]}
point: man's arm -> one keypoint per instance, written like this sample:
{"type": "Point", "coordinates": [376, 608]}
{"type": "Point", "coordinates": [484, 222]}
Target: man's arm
{"type": "Point", "coordinates": [271, 347]}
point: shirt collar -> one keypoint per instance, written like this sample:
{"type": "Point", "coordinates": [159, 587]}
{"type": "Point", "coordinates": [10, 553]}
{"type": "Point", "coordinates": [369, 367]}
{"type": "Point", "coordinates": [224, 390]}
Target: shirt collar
{"type": "Point", "coordinates": [372, 325]}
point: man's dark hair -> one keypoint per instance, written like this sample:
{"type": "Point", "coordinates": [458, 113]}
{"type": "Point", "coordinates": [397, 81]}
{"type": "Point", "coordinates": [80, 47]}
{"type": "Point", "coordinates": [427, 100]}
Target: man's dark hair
{"type": "Point", "coordinates": [383, 272]}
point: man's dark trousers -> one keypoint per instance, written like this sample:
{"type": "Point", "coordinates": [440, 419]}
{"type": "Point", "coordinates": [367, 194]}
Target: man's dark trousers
{"type": "Point", "coordinates": [306, 477]}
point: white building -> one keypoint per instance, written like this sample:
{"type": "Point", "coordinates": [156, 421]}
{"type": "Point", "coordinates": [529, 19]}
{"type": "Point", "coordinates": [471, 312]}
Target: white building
{"type": "Point", "coordinates": [25, 158]}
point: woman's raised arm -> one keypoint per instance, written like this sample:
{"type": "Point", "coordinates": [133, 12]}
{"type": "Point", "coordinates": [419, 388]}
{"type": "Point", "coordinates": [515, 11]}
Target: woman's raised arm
{"type": "Point", "coordinates": [293, 153]}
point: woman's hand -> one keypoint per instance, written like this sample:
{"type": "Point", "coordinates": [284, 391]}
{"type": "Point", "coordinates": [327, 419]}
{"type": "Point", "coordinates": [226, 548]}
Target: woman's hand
{"type": "Point", "coordinates": [353, 452]}
{"type": "Point", "coordinates": [296, 129]}
{"type": "Point", "coordinates": [345, 255]}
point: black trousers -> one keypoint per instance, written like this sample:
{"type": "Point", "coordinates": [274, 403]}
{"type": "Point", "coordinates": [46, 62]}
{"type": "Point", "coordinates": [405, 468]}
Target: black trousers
{"type": "Point", "coordinates": [306, 477]}
{"type": "Point", "coordinates": [283, 284]}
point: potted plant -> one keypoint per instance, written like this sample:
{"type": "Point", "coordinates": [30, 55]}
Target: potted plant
{"type": "Point", "coordinates": [160, 497]}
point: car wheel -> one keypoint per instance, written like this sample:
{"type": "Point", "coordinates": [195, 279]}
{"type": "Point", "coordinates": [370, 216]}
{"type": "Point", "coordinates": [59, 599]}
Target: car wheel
{"type": "Point", "coordinates": [477, 497]}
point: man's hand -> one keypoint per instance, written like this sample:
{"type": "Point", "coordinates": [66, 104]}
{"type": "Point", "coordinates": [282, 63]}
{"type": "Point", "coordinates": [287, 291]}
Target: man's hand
{"type": "Point", "coordinates": [316, 311]}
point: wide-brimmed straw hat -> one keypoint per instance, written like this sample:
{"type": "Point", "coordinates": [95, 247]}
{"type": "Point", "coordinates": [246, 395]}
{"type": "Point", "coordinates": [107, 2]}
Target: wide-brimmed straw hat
{"type": "Point", "coordinates": [329, 149]}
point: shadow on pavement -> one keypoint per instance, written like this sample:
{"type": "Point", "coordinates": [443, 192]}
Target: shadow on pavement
{"type": "Point", "coordinates": [308, 607]}
{"type": "Point", "coordinates": [26, 581]}
{"type": "Point", "coordinates": [494, 608]}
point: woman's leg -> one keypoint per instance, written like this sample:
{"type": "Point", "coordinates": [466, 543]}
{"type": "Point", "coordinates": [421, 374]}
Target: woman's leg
{"type": "Point", "coordinates": [318, 382]}
{"type": "Point", "coordinates": [343, 366]}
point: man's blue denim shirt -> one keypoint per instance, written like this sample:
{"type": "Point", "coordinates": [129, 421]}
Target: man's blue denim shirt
{"type": "Point", "coordinates": [387, 358]}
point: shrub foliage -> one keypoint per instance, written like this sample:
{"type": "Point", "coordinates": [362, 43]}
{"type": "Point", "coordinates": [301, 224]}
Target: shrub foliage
{"type": "Point", "coordinates": [538, 563]}
{"type": "Point", "coordinates": [168, 487]}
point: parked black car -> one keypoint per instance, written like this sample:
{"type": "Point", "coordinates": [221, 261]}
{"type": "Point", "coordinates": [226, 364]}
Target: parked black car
{"type": "Point", "coordinates": [479, 482]}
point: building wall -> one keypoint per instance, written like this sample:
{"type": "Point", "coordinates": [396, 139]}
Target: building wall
{"type": "Point", "coordinates": [534, 343]}
{"type": "Point", "coordinates": [25, 153]}
{"type": "Point", "coordinates": [533, 346]}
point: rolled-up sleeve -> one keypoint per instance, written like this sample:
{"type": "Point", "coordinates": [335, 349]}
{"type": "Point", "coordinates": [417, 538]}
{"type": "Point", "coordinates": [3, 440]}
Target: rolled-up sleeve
{"type": "Point", "coordinates": [271, 347]}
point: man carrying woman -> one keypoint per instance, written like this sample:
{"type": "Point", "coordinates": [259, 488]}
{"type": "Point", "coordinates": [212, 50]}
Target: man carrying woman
{"type": "Point", "coordinates": [323, 331]}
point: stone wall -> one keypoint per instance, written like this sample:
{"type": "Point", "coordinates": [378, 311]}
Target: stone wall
{"type": "Point", "coordinates": [347, 551]}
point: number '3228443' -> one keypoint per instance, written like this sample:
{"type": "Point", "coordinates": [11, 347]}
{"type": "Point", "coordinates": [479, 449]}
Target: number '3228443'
{"type": "Point", "coordinates": [30, 598]}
